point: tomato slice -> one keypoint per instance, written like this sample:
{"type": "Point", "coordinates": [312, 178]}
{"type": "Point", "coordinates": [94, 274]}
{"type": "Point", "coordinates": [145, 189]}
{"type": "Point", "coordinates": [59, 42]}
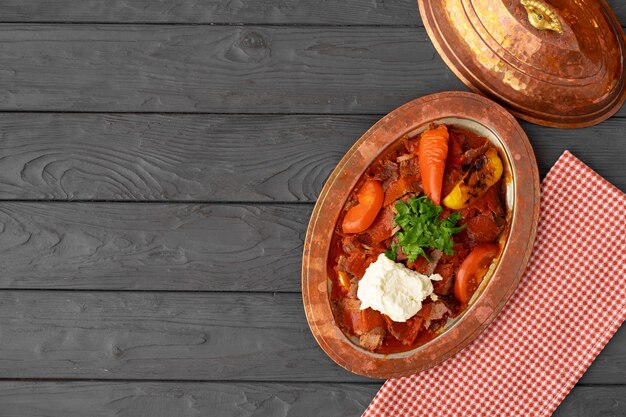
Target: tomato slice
{"type": "Point", "coordinates": [473, 269]}
{"type": "Point", "coordinates": [433, 152]}
{"type": "Point", "coordinates": [361, 216]}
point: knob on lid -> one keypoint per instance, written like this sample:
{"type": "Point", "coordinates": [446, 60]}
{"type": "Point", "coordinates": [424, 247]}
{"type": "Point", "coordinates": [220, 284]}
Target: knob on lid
{"type": "Point", "coordinates": [556, 63]}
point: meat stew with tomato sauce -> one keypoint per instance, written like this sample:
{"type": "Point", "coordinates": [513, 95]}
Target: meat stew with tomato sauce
{"type": "Point", "coordinates": [446, 170]}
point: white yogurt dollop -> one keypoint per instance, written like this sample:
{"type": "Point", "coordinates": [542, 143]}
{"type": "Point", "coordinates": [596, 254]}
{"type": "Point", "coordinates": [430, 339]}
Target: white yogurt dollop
{"type": "Point", "coordinates": [393, 289]}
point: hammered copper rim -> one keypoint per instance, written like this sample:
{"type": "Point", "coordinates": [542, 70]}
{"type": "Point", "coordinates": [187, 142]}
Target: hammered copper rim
{"type": "Point", "coordinates": [567, 79]}
{"type": "Point", "coordinates": [371, 145]}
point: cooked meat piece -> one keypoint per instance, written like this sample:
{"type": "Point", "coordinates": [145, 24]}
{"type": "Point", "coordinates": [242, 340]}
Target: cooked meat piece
{"type": "Point", "coordinates": [349, 313]}
{"type": "Point", "coordinates": [434, 255]}
{"type": "Point", "coordinates": [444, 287]}
{"type": "Point", "coordinates": [489, 202]}
{"type": "Point", "coordinates": [351, 304]}
{"type": "Point", "coordinates": [414, 184]}
{"type": "Point", "coordinates": [405, 332]}
{"type": "Point", "coordinates": [354, 286]}
{"type": "Point", "coordinates": [454, 167]}
{"type": "Point", "coordinates": [451, 302]}
{"type": "Point", "coordinates": [437, 311]}
{"type": "Point", "coordinates": [373, 339]}
{"type": "Point", "coordinates": [452, 179]}
{"type": "Point", "coordinates": [388, 171]}
{"type": "Point", "coordinates": [401, 256]}
{"type": "Point", "coordinates": [418, 265]}
{"type": "Point", "coordinates": [460, 251]}
{"type": "Point", "coordinates": [354, 264]}
{"type": "Point", "coordinates": [381, 229]}
{"type": "Point", "coordinates": [483, 228]}
{"type": "Point", "coordinates": [485, 217]}
{"type": "Point", "coordinates": [413, 145]}
{"type": "Point", "coordinates": [455, 150]}
{"type": "Point", "coordinates": [401, 187]}
{"type": "Point", "coordinates": [468, 140]}
{"type": "Point", "coordinates": [350, 244]}
{"type": "Point", "coordinates": [410, 168]}
{"type": "Point", "coordinates": [471, 154]}
{"type": "Point", "coordinates": [424, 313]}
{"type": "Point", "coordinates": [358, 321]}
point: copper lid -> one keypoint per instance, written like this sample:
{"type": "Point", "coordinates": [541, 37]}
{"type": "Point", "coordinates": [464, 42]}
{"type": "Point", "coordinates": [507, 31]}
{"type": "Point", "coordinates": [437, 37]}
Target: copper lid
{"type": "Point", "coordinates": [556, 63]}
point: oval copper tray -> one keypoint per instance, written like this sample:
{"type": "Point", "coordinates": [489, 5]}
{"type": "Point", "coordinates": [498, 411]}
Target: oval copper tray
{"type": "Point", "coordinates": [463, 109]}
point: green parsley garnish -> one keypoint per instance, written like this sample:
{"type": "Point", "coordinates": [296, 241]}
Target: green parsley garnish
{"type": "Point", "coordinates": [392, 253]}
{"type": "Point", "coordinates": [421, 228]}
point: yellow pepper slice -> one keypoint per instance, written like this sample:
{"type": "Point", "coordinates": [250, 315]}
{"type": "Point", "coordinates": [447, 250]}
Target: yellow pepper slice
{"type": "Point", "coordinates": [484, 172]}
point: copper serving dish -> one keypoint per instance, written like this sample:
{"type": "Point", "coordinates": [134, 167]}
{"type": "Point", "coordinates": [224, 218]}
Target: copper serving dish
{"type": "Point", "coordinates": [469, 111]}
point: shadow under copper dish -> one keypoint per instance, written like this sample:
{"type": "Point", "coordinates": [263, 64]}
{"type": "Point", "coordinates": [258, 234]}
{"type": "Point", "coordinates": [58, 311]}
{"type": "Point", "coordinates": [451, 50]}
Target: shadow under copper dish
{"type": "Point", "coordinates": [464, 110]}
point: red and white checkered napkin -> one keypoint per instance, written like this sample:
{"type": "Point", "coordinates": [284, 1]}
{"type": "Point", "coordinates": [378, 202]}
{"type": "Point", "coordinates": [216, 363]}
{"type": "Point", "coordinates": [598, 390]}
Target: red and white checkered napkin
{"type": "Point", "coordinates": [570, 302]}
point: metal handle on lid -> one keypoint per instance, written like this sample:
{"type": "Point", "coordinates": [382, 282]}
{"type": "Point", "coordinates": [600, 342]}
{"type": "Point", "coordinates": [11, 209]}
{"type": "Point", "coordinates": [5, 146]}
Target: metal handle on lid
{"type": "Point", "coordinates": [541, 16]}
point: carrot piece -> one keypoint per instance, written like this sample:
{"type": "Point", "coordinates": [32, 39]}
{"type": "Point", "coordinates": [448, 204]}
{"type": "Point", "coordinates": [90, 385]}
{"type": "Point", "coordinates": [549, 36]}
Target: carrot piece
{"type": "Point", "coordinates": [344, 280]}
{"type": "Point", "coordinates": [433, 151]}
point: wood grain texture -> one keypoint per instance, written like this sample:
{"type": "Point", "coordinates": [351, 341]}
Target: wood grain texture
{"type": "Point", "coordinates": [602, 147]}
{"type": "Point", "coordinates": [218, 69]}
{"type": "Point", "coordinates": [171, 157]}
{"type": "Point", "coordinates": [135, 399]}
{"type": "Point", "coordinates": [152, 246]}
{"type": "Point", "coordinates": [182, 336]}
{"type": "Point", "coordinates": [347, 12]}
{"type": "Point", "coordinates": [236, 158]}
{"type": "Point", "coordinates": [353, 12]}
{"type": "Point", "coordinates": [106, 399]}
{"type": "Point", "coordinates": [603, 401]}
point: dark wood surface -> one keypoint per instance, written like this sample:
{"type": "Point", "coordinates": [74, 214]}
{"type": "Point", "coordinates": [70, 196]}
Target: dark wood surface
{"type": "Point", "coordinates": [158, 164]}
{"type": "Point", "coordinates": [183, 399]}
{"type": "Point", "coordinates": [183, 336]}
{"type": "Point", "coordinates": [180, 247]}
{"type": "Point", "coordinates": [288, 12]}
{"type": "Point", "coordinates": [183, 157]}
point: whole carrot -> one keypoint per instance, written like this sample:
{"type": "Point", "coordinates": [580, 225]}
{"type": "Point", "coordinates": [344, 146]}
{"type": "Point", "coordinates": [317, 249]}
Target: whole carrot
{"type": "Point", "coordinates": [433, 151]}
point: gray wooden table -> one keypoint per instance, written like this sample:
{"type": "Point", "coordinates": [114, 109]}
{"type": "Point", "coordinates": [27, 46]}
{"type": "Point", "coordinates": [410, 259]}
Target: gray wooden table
{"type": "Point", "coordinates": [158, 164]}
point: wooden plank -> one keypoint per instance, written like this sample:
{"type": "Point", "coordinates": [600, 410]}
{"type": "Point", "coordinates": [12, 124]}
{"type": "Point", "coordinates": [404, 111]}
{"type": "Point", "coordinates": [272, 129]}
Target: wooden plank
{"type": "Point", "coordinates": [217, 69]}
{"type": "Point", "coordinates": [236, 158]}
{"type": "Point", "coordinates": [171, 157]}
{"type": "Point", "coordinates": [601, 147]}
{"type": "Point", "coordinates": [350, 12]}
{"type": "Point", "coordinates": [229, 69]}
{"type": "Point", "coordinates": [166, 399]}
{"type": "Point", "coordinates": [593, 402]}
{"type": "Point", "coordinates": [100, 399]}
{"type": "Point", "coordinates": [152, 246]}
{"type": "Point", "coordinates": [183, 336]}
{"type": "Point", "coordinates": [347, 12]}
